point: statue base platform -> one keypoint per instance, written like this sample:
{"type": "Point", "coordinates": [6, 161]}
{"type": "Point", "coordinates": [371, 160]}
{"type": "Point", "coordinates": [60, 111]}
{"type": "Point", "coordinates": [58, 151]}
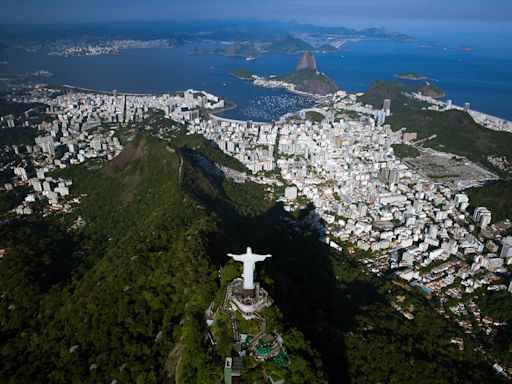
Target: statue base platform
{"type": "Point", "coordinates": [247, 302]}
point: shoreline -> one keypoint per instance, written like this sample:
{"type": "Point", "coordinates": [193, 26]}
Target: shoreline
{"type": "Point", "coordinates": [287, 87]}
{"type": "Point", "coordinates": [313, 96]}
{"type": "Point", "coordinates": [72, 87]}
{"type": "Point", "coordinates": [210, 113]}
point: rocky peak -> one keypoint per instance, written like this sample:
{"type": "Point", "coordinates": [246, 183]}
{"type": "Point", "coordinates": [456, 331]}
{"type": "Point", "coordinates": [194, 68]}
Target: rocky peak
{"type": "Point", "coordinates": [307, 61]}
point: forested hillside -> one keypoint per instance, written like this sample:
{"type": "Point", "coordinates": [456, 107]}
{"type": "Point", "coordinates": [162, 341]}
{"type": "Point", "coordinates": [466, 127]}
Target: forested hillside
{"type": "Point", "coordinates": [116, 291]}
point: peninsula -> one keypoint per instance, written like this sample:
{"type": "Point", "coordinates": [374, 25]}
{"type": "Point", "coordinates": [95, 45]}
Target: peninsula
{"type": "Point", "coordinates": [306, 79]}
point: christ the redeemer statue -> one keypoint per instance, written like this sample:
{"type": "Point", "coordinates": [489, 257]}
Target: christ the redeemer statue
{"type": "Point", "coordinates": [249, 259]}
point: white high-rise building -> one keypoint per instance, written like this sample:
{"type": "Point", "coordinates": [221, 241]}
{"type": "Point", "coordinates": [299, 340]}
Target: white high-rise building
{"type": "Point", "coordinates": [482, 216]}
{"type": "Point", "coordinates": [96, 144]}
{"type": "Point", "coordinates": [21, 172]}
{"type": "Point", "coordinates": [386, 106]}
{"type": "Point", "coordinates": [290, 193]}
{"type": "Point", "coordinates": [380, 117]}
{"type": "Point", "coordinates": [46, 143]}
{"type": "Point", "coordinates": [506, 250]}
{"type": "Point", "coordinates": [432, 231]}
{"type": "Point", "coordinates": [461, 201]}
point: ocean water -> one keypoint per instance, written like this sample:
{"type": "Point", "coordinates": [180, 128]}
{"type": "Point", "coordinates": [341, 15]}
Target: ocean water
{"type": "Point", "coordinates": [482, 77]}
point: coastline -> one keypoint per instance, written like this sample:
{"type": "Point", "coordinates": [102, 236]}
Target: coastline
{"type": "Point", "coordinates": [262, 82]}
{"type": "Point", "coordinates": [81, 89]}
{"type": "Point", "coordinates": [480, 117]}
{"type": "Point", "coordinates": [72, 87]}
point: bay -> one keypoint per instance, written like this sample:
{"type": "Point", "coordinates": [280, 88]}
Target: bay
{"type": "Point", "coordinates": [480, 77]}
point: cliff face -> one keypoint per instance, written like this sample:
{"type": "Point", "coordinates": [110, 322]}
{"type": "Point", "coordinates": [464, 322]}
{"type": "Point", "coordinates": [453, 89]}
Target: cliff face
{"type": "Point", "coordinates": [321, 85]}
{"type": "Point", "coordinates": [307, 61]}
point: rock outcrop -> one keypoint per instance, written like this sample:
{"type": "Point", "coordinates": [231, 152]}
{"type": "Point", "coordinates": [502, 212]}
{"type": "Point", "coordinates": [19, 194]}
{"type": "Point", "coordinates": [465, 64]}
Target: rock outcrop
{"type": "Point", "coordinates": [430, 90]}
{"type": "Point", "coordinates": [307, 61]}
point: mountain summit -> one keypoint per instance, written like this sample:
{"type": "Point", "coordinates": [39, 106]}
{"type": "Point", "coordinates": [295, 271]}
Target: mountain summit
{"type": "Point", "coordinates": [307, 61]}
{"type": "Point", "coordinates": [307, 78]}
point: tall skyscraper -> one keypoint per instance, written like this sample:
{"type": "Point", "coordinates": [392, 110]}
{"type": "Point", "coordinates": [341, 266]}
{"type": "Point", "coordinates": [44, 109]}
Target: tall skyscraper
{"type": "Point", "coordinates": [466, 107]}
{"type": "Point", "coordinates": [380, 117]}
{"type": "Point", "coordinates": [124, 110]}
{"type": "Point", "coordinates": [386, 106]}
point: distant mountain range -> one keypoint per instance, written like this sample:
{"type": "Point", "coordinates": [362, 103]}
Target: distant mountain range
{"type": "Point", "coordinates": [242, 31]}
{"type": "Point", "coordinates": [258, 30]}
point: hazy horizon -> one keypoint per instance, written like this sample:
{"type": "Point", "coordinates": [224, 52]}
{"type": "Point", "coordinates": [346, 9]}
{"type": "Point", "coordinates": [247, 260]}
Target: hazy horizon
{"type": "Point", "coordinates": [326, 12]}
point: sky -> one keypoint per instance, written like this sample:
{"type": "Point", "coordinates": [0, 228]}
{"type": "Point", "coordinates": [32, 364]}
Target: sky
{"type": "Point", "coordinates": [352, 13]}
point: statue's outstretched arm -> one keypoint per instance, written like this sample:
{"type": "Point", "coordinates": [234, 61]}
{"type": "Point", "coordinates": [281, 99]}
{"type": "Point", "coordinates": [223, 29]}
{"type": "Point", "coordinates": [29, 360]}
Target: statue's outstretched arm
{"type": "Point", "coordinates": [236, 257]}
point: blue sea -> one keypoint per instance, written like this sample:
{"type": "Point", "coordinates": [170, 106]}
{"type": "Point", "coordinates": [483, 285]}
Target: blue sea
{"type": "Point", "coordinates": [482, 77]}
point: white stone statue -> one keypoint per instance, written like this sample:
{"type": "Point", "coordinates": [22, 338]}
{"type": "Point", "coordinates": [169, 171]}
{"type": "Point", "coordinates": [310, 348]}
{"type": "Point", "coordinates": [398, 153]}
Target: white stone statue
{"type": "Point", "coordinates": [249, 259]}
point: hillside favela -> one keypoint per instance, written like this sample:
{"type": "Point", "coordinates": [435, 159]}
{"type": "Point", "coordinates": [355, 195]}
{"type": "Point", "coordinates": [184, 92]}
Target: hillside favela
{"type": "Point", "coordinates": [256, 192]}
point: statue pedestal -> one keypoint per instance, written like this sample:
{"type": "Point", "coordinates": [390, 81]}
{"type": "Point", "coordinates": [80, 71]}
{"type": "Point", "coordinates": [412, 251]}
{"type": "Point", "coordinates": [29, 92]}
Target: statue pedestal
{"type": "Point", "coordinates": [247, 301]}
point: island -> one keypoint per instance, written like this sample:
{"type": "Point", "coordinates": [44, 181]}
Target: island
{"type": "Point", "coordinates": [326, 48]}
{"type": "Point", "coordinates": [431, 44]}
{"type": "Point", "coordinates": [410, 76]}
{"type": "Point", "coordinates": [243, 74]}
{"type": "Point", "coordinates": [464, 48]}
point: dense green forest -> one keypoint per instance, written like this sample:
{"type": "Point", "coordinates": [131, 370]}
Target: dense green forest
{"type": "Point", "coordinates": [17, 136]}
{"type": "Point", "coordinates": [20, 134]}
{"type": "Point", "coordinates": [17, 109]}
{"type": "Point", "coordinates": [122, 297]}
{"type": "Point", "coordinates": [315, 117]}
